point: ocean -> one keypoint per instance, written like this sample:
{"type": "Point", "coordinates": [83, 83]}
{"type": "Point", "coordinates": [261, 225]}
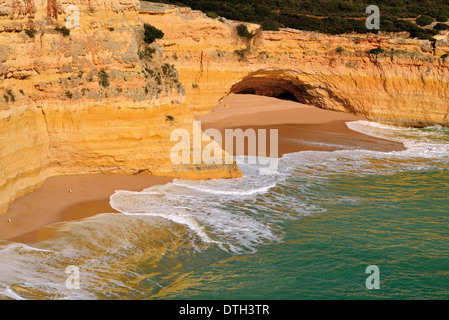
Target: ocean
{"type": "Point", "coordinates": [308, 231]}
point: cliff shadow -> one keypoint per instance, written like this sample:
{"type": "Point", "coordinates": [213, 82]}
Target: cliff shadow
{"type": "Point", "coordinates": [294, 86]}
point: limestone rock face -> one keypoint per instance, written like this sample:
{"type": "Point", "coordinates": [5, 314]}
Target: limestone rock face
{"type": "Point", "coordinates": [93, 99]}
{"type": "Point", "coordinates": [405, 84]}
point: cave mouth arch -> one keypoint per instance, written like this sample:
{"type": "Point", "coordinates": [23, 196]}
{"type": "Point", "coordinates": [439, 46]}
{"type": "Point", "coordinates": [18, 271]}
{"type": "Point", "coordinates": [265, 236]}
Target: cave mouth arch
{"type": "Point", "coordinates": [279, 84]}
{"type": "Point", "coordinates": [296, 86]}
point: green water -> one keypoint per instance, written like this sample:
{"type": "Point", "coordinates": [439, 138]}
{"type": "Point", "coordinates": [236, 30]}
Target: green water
{"type": "Point", "coordinates": [398, 222]}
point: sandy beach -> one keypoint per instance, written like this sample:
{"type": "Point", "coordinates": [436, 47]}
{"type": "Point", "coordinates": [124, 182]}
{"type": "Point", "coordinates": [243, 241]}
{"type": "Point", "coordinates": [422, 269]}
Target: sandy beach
{"type": "Point", "coordinates": [64, 198]}
{"type": "Point", "coordinates": [301, 127]}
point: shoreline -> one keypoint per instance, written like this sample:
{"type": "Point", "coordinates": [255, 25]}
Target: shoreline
{"type": "Point", "coordinates": [53, 202]}
{"type": "Point", "coordinates": [300, 128]}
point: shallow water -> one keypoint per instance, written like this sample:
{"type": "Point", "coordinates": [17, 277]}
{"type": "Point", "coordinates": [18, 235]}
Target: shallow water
{"type": "Point", "coordinates": [307, 232]}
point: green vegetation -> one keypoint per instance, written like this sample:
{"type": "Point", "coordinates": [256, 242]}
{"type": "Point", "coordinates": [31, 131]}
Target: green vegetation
{"type": "Point", "coordinates": [11, 95]}
{"type": "Point", "coordinates": [376, 51]}
{"type": "Point", "coordinates": [442, 18]}
{"type": "Point", "coordinates": [271, 25]}
{"type": "Point", "coordinates": [329, 16]}
{"type": "Point", "coordinates": [103, 78]}
{"type": "Point", "coordinates": [30, 33]}
{"type": "Point", "coordinates": [84, 91]}
{"type": "Point", "coordinates": [169, 118]}
{"type": "Point", "coordinates": [241, 54]}
{"type": "Point", "coordinates": [169, 71]}
{"type": "Point", "coordinates": [152, 33]}
{"type": "Point", "coordinates": [441, 26]}
{"type": "Point", "coordinates": [424, 20]}
{"type": "Point", "coordinates": [147, 54]}
{"type": "Point", "coordinates": [340, 50]}
{"type": "Point", "coordinates": [159, 77]}
{"type": "Point", "coordinates": [212, 15]}
{"type": "Point", "coordinates": [242, 31]}
{"type": "Point", "coordinates": [64, 31]}
{"type": "Point", "coordinates": [68, 94]}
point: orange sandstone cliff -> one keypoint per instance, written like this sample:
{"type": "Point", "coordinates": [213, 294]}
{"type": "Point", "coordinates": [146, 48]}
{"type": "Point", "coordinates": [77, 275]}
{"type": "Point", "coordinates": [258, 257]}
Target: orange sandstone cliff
{"type": "Point", "coordinates": [94, 99]}
{"type": "Point", "coordinates": [407, 84]}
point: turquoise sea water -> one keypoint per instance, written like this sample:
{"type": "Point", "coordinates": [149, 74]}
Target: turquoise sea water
{"type": "Point", "coordinates": [307, 232]}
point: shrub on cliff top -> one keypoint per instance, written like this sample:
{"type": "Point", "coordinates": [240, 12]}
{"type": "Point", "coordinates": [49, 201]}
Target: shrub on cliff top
{"type": "Point", "coordinates": [310, 15]}
{"type": "Point", "coordinates": [243, 32]}
{"type": "Point", "coordinates": [152, 33]}
{"type": "Point", "coordinates": [424, 20]}
{"type": "Point", "coordinates": [441, 26]}
{"type": "Point", "coordinates": [441, 17]}
{"type": "Point", "coordinates": [271, 25]}
{"type": "Point", "coordinates": [212, 15]}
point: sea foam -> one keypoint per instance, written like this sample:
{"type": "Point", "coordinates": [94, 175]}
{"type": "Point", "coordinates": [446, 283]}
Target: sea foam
{"type": "Point", "coordinates": [157, 226]}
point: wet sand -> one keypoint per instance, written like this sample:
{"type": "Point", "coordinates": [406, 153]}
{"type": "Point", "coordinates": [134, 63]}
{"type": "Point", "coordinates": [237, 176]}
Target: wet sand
{"type": "Point", "coordinates": [300, 127]}
{"type": "Point", "coordinates": [64, 198]}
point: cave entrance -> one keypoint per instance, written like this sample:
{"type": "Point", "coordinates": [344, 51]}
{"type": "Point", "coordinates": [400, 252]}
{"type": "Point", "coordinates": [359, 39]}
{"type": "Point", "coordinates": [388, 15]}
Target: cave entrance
{"type": "Point", "coordinates": [274, 83]}
{"type": "Point", "coordinates": [287, 95]}
{"type": "Point", "coordinates": [279, 94]}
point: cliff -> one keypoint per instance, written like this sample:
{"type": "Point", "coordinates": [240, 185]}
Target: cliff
{"type": "Point", "coordinates": [405, 83]}
{"type": "Point", "coordinates": [94, 99]}
{"type": "Point", "coordinates": [97, 99]}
